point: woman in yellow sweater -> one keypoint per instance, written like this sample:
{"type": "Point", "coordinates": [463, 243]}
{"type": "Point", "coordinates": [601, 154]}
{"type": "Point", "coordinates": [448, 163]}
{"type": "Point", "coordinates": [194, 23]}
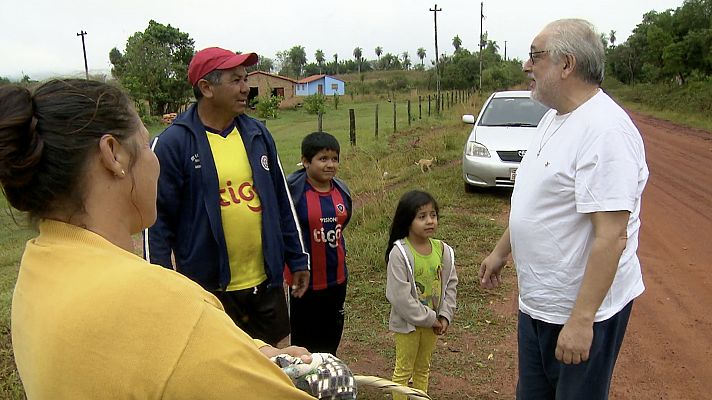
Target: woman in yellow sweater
{"type": "Point", "coordinates": [89, 318]}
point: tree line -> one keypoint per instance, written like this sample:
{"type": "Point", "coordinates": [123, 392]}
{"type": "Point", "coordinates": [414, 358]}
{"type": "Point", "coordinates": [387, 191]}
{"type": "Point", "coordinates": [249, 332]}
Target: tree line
{"type": "Point", "coordinates": [673, 45]}
{"type": "Point", "coordinates": [154, 64]}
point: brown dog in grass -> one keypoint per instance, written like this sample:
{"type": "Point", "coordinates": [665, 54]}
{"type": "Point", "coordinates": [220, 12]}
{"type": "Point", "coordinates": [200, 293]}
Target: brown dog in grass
{"type": "Point", "coordinates": [425, 163]}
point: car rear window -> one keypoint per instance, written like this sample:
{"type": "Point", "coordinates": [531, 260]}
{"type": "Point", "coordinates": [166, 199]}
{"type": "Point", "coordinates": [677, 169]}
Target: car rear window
{"type": "Point", "coordinates": [512, 111]}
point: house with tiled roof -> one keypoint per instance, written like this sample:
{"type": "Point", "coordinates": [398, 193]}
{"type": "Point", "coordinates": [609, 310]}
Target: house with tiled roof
{"type": "Point", "coordinates": [320, 84]}
{"type": "Point", "coordinates": [264, 84]}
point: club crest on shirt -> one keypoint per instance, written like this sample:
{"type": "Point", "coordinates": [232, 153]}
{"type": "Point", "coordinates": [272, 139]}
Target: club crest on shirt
{"type": "Point", "coordinates": [265, 162]}
{"type": "Point", "coordinates": [340, 209]}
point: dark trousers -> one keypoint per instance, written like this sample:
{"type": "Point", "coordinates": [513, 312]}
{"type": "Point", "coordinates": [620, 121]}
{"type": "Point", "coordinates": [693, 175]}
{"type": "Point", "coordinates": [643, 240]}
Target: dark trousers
{"type": "Point", "coordinates": [317, 319]}
{"type": "Point", "coordinates": [542, 376]}
{"type": "Point", "coordinates": [260, 311]}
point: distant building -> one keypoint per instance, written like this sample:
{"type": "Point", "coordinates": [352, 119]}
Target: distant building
{"type": "Point", "coordinates": [320, 84]}
{"type": "Point", "coordinates": [263, 84]}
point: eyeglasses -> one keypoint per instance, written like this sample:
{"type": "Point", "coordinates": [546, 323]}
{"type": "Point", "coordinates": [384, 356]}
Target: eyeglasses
{"type": "Point", "coordinates": [534, 55]}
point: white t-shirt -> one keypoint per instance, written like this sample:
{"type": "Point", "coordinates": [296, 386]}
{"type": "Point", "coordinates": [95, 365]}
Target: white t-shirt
{"type": "Point", "coordinates": [590, 160]}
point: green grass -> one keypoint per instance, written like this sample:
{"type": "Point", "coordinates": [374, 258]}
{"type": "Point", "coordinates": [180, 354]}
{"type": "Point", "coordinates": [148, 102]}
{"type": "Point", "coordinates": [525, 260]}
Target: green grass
{"type": "Point", "coordinates": [12, 243]}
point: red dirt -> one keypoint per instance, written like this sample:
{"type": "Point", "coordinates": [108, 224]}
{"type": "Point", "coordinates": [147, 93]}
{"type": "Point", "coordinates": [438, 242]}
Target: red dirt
{"type": "Point", "coordinates": [668, 347]}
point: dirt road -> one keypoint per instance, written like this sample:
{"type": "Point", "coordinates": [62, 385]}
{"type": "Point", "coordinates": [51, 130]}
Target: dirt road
{"type": "Point", "coordinates": [667, 353]}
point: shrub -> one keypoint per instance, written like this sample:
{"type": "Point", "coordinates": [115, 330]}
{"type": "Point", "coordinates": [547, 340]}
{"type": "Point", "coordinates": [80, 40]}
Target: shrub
{"type": "Point", "coordinates": [267, 106]}
{"type": "Point", "coordinates": [315, 104]}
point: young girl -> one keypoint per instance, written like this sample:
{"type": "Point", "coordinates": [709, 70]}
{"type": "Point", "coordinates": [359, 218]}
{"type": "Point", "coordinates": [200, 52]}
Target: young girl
{"type": "Point", "coordinates": [421, 287]}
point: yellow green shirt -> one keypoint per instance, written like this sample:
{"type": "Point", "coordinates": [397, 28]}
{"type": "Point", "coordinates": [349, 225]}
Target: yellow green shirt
{"type": "Point", "coordinates": [427, 271]}
{"type": "Point", "coordinates": [240, 210]}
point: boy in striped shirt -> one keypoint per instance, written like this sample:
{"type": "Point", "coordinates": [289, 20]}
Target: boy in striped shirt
{"type": "Point", "coordinates": [323, 204]}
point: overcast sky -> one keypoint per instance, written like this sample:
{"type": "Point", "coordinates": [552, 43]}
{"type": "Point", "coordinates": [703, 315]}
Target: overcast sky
{"type": "Point", "coordinates": [39, 37]}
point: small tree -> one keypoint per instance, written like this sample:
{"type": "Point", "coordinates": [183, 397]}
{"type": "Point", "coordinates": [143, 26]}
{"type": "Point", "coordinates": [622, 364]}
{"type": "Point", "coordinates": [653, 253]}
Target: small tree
{"type": "Point", "coordinates": [267, 106]}
{"type": "Point", "coordinates": [315, 103]}
{"type": "Point", "coordinates": [154, 67]}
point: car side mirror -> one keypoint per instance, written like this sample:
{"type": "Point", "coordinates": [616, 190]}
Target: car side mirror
{"type": "Point", "coordinates": [468, 119]}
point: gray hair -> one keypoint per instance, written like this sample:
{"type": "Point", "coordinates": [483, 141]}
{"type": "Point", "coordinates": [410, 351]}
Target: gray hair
{"type": "Point", "coordinates": [213, 77]}
{"type": "Point", "coordinates": [578, 38]}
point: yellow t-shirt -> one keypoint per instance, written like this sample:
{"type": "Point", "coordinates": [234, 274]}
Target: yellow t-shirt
{"type": "Point", "coordinates": [240, 209]}
{"type": "Point", "coordinates": [93, 321]}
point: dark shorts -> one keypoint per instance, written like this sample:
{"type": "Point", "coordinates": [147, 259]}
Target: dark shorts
{"type": "Point", "coordinates": [260, 311]}
{"type": "Point", "coordinates": [542, 376]}
{"type": "Point", "coordinates": [318, 319]}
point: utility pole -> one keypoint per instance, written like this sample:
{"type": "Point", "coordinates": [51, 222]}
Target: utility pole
{"type": "Point", "coordinates": [437, 55]}
{"type": "Point", "coordinates": [482, 17]}
{"type": "Point", "coordinates": [505, 50]}
{"type": "Point", "coordinates": [84, 49]}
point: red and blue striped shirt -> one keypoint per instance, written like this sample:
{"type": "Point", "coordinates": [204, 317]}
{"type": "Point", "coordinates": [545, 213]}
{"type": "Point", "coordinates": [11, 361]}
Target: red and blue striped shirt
{"type": "Point", "coordinates": [323, 217]}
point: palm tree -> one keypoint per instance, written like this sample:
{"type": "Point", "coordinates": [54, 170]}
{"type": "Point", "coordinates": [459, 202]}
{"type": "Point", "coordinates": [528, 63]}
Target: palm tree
{"type": "Point", "coordinates": [457, 43]}
{"type": "Point", "coordinates": [406, 60]}
{"type": "Point", "coordinates": [319, 55]}
{"type": "Point", "coordinates": [379, 51]}
{"type": "Point", "coordinates": [612, 38]}
{"type": "Point", "coordinates": [357, 56]}
{"type": "Point", "coordinates": [421, 55]}
{"type": "Point", "coordinates": [336, 62]}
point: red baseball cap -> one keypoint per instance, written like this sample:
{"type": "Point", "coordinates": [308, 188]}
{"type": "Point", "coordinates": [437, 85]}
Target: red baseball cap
{"type": "Point", "coordinates": [208, 60]}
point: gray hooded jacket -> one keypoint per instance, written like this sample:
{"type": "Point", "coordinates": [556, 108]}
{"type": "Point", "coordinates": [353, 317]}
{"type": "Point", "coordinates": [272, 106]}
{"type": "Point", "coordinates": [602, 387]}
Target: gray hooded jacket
{"type": "Point", "coordinates": [407, 311]}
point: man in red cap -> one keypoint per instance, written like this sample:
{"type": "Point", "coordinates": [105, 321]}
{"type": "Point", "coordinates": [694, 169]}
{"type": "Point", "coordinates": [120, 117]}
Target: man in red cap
{"type": "Point", "coordinates": [224, 210]}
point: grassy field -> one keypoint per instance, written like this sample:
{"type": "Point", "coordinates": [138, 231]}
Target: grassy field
{"type": "Point", "coordinates": [12, 243]}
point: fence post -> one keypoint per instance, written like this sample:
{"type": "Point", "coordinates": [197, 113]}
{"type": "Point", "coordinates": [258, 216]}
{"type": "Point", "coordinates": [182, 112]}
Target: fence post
{"type": "Point", "coordinates": [352, 127]}
{"type": "Point", "coordinates": [420, 107]}
{"type": "Point", "coordinates": [394, 116]}
{"type": "Point", "coordinates": [376, 119]}
{"type": "Point", "coordinates": [428, 105]}
{"type": "Point", "coordinates": [319, 118]}
{"type": "Point", "coordinates": [408, 112]}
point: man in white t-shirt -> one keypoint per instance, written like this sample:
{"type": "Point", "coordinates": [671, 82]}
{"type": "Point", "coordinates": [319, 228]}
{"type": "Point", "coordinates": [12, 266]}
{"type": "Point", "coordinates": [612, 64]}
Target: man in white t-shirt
{"type": "Point", "coordinates": [574, 223]}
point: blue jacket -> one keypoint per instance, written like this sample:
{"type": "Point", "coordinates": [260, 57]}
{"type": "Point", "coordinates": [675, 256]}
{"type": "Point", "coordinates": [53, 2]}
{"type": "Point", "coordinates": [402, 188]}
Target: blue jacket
{"type": "Point", "coordinates": [297, 183]}
{"type": "Point", "coordinates": [189, 220]}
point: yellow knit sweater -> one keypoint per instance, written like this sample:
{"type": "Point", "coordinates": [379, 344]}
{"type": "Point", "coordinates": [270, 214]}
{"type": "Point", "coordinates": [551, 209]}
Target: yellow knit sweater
{"type": "Point", "coordinates": [93, 321]}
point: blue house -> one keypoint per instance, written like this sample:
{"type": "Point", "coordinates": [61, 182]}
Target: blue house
{"type": "Point", "coordinates": [320, 84]}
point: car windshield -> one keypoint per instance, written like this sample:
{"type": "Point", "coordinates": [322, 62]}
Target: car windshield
{"type": "Point", "coordinates": [513, 111]}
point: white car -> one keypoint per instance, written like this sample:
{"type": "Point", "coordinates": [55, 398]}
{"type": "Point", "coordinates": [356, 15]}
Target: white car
{"type": "Point", "coordinates": [501, 135]}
